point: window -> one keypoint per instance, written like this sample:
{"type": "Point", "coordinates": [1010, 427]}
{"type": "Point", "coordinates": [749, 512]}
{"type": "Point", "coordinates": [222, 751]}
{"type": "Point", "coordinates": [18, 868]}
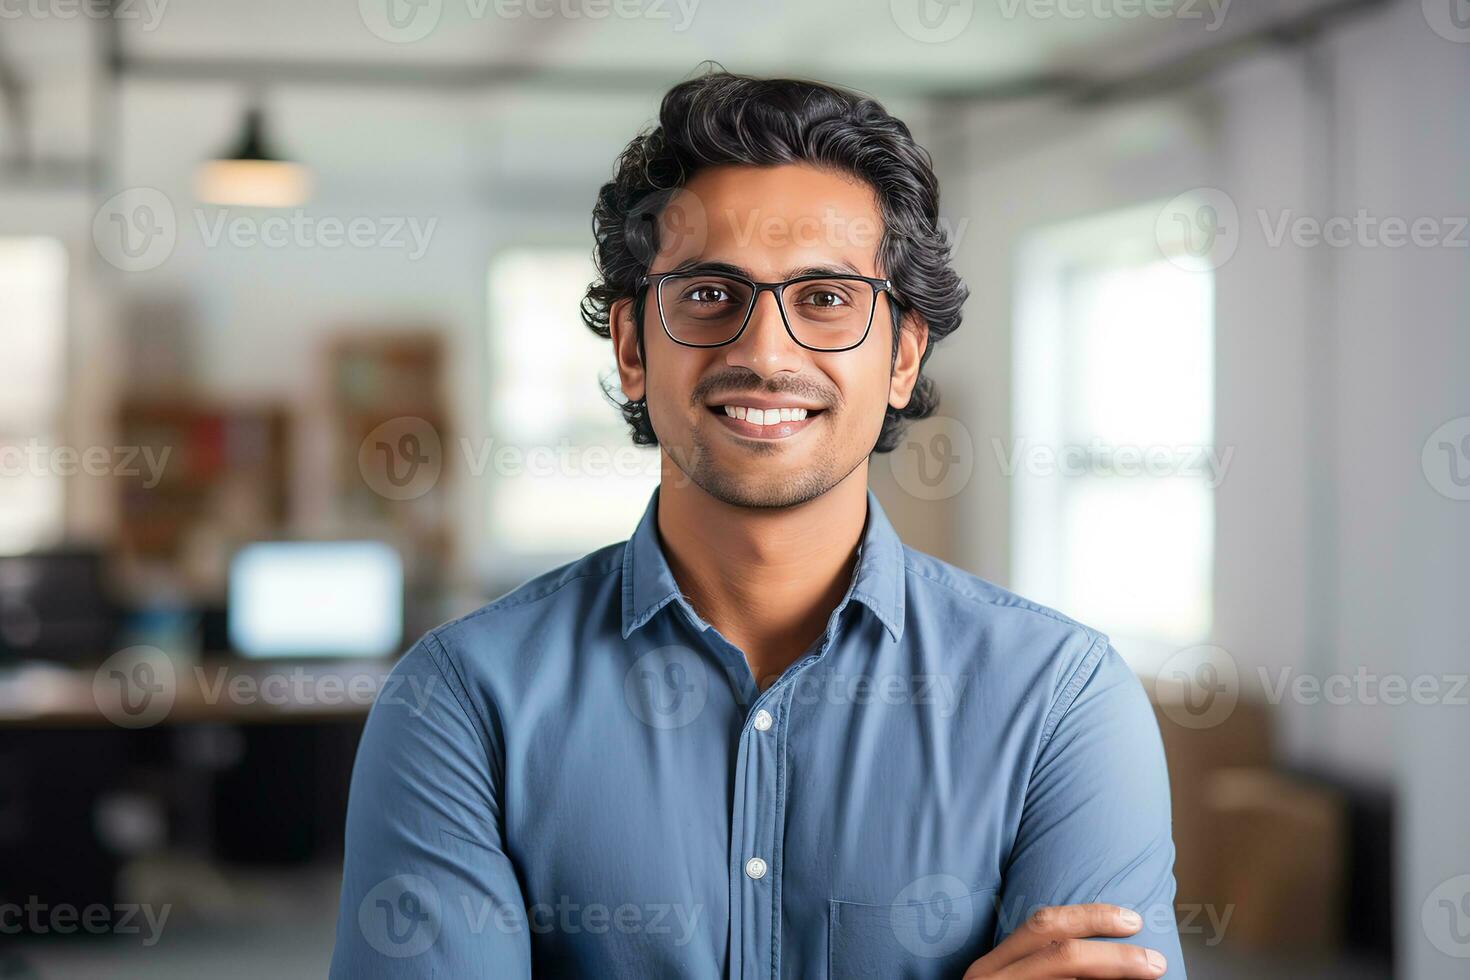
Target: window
{"type": "Point", "coordinates": [1113, 461]}
{"type": "Point", "coordinates": [567, 479]}
{"type": "Point", "coordinates": [32, 305]}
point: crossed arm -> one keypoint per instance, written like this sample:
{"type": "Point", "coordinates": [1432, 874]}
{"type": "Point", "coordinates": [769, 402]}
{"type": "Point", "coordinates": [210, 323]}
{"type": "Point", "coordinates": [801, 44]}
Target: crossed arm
{"type": "Point", "coordinates": [1094, 853]}
{"type": "Point", "coordinates": [1093, 845]}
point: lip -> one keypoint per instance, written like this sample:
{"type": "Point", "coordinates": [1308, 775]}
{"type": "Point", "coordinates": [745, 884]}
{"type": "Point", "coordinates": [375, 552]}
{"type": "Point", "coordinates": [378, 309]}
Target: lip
{"type": "Point", "coordinates": [781, 430]}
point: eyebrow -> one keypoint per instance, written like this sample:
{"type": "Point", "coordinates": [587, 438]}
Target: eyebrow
{"type": "Point", "coordinates": [843, 268]}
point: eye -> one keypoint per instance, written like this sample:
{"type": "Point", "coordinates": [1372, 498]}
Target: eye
{"type": "Point", "coordinates": [824, 296]}
{"type": "Point", "coordinates": [707, 294]}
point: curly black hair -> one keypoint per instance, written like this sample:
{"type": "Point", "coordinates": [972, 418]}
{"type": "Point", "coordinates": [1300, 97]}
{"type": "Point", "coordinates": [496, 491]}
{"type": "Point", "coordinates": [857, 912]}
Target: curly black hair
{"type": "Point", "coordinates": [722, 118]}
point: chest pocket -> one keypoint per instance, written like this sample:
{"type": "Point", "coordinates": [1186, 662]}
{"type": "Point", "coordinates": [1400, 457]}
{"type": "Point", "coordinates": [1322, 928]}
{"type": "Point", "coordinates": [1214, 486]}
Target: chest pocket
{"type": "Point", "coordinates": [935, 929]}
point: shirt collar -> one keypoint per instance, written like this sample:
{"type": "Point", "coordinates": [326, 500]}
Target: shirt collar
{"type": "Point", "coordinates": [877, 581]}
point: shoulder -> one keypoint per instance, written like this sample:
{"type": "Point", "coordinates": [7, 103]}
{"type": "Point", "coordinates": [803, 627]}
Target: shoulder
{"type": "Point", "coordinates": [1016, 641]}
{"type": "Point", "coordinates": [932, 582]}
{"type": "Point", "coordinates": [983, 598]}
{"type": "Point", "coordinates": [579, 592]}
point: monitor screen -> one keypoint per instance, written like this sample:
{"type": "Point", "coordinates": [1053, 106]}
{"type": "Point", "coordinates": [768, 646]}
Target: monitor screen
{"type": "Point", "coordinates": [53, 606]}
{"type": "Point", "coordinates": [316, 599]}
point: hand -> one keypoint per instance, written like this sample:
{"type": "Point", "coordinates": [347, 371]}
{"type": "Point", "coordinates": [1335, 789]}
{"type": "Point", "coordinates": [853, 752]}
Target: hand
{"type": "Point", "coordinates": [1053, 944]}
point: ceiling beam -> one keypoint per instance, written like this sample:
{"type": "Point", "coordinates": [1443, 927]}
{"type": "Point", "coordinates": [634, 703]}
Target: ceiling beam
{"type": "Point", "coordinates": [1081, 88]}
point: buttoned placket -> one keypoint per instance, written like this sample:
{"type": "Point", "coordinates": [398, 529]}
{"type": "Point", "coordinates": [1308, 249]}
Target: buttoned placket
{"type": "Point", "coordinates": [759, 814]}
{"type": "Point", "coordinates": [759, 781]}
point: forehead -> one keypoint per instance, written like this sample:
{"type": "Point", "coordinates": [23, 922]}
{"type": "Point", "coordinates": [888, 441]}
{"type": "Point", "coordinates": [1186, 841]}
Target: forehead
{"type": "Point", "coordinates": [769, 220]}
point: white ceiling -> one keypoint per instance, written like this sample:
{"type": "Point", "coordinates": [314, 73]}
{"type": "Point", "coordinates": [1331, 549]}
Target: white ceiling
{"type": "Point", "coordinates": [353, 104]}
{"type": "Point", "coordinates": [846, 40]}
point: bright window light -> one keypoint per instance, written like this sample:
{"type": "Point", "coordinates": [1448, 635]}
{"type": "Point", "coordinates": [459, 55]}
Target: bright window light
{"type": "Point", "coordinates": [569, 480]}
{"type": "Point", "coordinates": [1114, 461]}
{"type": "Point", "coordinates": [33, 275]}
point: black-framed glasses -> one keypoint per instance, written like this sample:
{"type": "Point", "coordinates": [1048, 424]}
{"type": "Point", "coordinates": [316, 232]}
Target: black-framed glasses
{"type": "Point", "coordinates": [822, 312]}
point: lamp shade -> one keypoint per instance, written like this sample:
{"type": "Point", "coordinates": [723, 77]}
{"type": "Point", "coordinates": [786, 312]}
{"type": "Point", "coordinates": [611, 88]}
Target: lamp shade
{"type": "Point", "coordinates": [250, 175]}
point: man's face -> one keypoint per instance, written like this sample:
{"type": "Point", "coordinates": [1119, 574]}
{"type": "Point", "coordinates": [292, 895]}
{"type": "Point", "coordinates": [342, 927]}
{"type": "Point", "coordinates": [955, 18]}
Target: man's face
{"type": "Point", "coordinates": [772, 223]}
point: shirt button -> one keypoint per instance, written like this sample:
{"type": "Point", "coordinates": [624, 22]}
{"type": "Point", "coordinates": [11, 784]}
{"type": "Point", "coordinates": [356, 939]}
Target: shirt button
{"type": "Point", "coordinates": [762, 720]}
{"type": "Point", "coordinates": [755, 868]}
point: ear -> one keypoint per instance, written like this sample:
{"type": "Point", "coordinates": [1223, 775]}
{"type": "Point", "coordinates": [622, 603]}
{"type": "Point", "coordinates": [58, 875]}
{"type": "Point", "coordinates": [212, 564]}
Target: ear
{"type": "Point", "coordinates": [913, 339]}
{"type": "Point", "coordinates": [625, 349]}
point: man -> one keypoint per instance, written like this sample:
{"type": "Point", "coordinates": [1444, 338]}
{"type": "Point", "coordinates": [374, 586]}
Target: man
{"type": "Point", "coordinates": [762, 738]}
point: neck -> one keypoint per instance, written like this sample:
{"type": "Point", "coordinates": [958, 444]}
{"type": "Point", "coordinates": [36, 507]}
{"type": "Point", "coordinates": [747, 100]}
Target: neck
{"type": "Point", "coordinates": [767, 579]}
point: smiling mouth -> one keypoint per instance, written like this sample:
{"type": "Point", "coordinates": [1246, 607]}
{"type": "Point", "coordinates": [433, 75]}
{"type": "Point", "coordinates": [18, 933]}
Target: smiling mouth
{"type": "Point", "coordinates": [765, 423]}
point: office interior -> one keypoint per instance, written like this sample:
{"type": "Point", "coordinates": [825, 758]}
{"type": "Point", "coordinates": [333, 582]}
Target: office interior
{"type": "Point", "coordinates": [292, 371]}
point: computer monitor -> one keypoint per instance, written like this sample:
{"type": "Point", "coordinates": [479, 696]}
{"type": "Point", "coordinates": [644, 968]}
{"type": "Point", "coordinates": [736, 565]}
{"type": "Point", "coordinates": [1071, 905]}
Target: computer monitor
{"type": "Point", "coordinates": [54, 606]}
{"type": "Point", "coordinates": [316, 599]}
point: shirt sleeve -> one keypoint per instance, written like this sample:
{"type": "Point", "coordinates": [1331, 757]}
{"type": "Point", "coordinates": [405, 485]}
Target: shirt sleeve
{"type": "Point", "coordinates": [1096, 822]}
{"type": "Point", "coordinates": [427, 888]}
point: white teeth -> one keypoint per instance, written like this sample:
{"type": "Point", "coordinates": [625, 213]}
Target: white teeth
{"type": "Point", "coordinates": [768, 416]}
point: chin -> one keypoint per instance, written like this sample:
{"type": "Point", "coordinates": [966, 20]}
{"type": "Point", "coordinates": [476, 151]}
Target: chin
{"type": "Point", "coordinates": [775, 485]}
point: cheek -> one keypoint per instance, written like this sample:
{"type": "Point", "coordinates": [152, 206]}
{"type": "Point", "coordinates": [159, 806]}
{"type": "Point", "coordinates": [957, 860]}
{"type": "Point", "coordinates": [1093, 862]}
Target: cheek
{"type": "Point", "coordinates": [668, 380]}
{"type": "Point", "coordinates": [864, 385]}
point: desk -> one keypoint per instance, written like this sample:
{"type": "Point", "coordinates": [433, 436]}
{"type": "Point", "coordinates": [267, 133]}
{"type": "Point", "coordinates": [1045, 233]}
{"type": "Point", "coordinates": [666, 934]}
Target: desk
{"type": "Point", "coordinates": [221, 690]}
{"type": "Point", "coordinates": [240, 761]}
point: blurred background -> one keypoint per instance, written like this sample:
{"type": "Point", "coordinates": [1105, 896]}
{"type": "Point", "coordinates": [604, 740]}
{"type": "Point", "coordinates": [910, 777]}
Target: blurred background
{"type": "Point", "coordinates": [291, 370]}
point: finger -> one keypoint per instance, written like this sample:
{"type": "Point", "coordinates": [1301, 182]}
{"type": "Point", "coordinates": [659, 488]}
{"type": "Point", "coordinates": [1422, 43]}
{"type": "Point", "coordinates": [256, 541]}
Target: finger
{"type": "Point", "coordinates": [1061, 922]}
{"type": "Point", "coordinates": [1084, 958]}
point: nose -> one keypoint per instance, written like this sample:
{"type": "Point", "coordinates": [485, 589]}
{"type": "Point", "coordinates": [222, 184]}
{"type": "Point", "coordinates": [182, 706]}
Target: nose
{"type": "Point", "coordinates": [765, 347]}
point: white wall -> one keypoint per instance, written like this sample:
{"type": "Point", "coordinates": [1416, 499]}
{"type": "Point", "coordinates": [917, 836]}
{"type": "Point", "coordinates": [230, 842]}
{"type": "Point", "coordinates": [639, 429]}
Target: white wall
{"type": "Point", "coordinates": [1333, 552]}
{"type": "Point", "coordinates": [1025, 168]}
{"type": "Point", "coordinates": [1404, 369]}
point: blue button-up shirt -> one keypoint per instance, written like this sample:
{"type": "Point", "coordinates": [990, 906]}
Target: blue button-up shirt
{"type": "Point", "coordinates": [582, 779]}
